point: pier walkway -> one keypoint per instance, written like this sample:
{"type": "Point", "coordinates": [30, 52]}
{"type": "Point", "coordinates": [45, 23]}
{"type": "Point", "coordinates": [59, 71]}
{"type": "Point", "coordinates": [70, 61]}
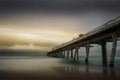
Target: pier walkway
{"type": "Point", "coordinates": [108, 32]}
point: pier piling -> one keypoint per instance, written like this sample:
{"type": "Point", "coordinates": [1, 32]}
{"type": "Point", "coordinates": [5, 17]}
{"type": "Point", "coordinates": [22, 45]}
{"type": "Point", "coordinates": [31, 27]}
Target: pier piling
{"type": "Point", "coordinates": [87, 52]}
{"type": "Point", "coordinates": [104, 53]}
{"type": "Point", "coordinates": [114, 37]}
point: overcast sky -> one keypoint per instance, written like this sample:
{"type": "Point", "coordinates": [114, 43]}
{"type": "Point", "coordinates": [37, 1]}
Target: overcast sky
{"type": "Point", "coordinates": [43, 24]}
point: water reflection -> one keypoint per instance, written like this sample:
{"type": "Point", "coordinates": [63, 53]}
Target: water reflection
{"type": "Point", "coordinates": [103, 73]}
{"type": "Point", "coordinates": [55, 69]}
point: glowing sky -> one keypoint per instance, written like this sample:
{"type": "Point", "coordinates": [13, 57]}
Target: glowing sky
{"type": "Point", "coordinates": [35, 32]}
{"type": "Point", "coordinates": [46, 28]}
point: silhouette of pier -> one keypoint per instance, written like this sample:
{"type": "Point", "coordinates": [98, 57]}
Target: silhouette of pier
{"type": "Point", "coordinates": [108, 32]}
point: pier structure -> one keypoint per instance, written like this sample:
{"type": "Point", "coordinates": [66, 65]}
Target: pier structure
{"type": "Point", "coordinates": [108, 32]}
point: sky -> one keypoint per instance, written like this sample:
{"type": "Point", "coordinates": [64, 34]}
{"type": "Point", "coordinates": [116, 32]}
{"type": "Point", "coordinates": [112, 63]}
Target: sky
{"type": "Point", "coordinates": [43, 24]}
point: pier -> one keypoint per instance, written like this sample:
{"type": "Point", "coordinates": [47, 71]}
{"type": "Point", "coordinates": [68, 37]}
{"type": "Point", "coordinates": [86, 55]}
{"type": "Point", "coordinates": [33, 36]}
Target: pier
{"type": "Point", "coordinates": [108, 32]}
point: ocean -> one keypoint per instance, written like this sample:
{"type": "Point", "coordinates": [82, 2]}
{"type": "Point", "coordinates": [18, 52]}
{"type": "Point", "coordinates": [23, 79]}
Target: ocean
{"type": "Point", "coordinates": [42, 67]}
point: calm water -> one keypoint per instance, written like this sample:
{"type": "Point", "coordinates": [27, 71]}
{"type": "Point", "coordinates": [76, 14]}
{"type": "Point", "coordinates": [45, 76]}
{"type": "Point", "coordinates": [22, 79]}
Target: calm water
{"type": "Point", "coordinates": [46, 68]}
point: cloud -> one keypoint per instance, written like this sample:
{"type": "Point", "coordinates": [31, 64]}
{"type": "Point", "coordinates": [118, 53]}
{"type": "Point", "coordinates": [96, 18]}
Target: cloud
{"type": "Point", "coordinates": [37, 31]}
{"type": "Point", "coordinates": [60, 5]}
{"type": "Point", "coordinates": [29, 47]}
{"type": "Point", "coordinates": [47, 23]}
{"type": "Point", "coordinates": [15, 41]}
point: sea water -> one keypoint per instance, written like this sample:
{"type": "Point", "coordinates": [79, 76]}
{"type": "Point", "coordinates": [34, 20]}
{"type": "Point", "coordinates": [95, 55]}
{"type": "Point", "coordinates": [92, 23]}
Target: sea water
{"type": "Point", "coordinates": [48, 68]}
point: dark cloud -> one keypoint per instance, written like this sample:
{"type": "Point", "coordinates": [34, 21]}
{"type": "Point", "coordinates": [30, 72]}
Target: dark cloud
{"type": "Point", "coordinates": [59, 5]}
{"type": "Point", "coordinates": [65, 7]}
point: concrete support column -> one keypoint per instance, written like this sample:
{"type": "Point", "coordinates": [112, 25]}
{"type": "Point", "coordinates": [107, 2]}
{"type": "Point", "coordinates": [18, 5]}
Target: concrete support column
{"type": "Point", "coordinates": [54, 55]}
{"type": "Point", "coordinates": [87, 52]}
{"type": "Point", "coordinates": [77, 51]}
{"type": "Point", "coordinates": [67, 54]}
{"type": "Point", "coordinates": [114, 37]}
{"type": "Point", "coordinates": [76, 56]}
{"type": "Point", "coordinates": [71, 53]}
{"type": "Point", "coordinates": [104, 53]}
{"type": "Point", "coordinates": [60, 54]}
{"type": "Point", "coordinates": [57, 54]}
{"type": "Point", "coordinates": [63, 54]}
